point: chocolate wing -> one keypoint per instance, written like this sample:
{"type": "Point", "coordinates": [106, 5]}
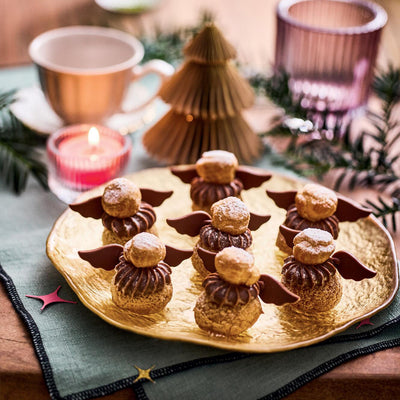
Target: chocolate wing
{"type": "Point", "coordinates": [351, 268]}
{"type": "Point", "coordinates": [282, 199]}
{"type": "Point", "coordinates": [208, 258]}
{"type": "Point", "coordinates": [348, 210]}
{"type": "Point", "coordinates": [256, 220]}
{"type": "Point", "coordinates": [90, 208]}
{"type": "Point", "coordinates": [274, 292]}
{"type": "Point", "coordinates": [106, 257]}
{"type": "Point", "coordinates": [190, 224]}
{"type": "Point", "coordinates": [251, 178]}
{"type": "Point", "coordinates": [185, 174]}
{"type": "Point", "coordinates": [288, 234]}
{"type": "Point", "coordinates": [175, 256]}
{"type": "Point", "coordinates": [155, 197]}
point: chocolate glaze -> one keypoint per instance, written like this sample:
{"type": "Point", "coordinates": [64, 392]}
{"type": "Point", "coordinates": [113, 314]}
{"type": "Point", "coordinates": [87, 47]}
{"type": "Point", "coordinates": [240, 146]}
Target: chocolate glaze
{"type": "Point", "coordinates": [217, 240]}
{"type": "Point", "coordinates": [307, 276]}
{"type": "Point", "coordinates": [128, 227]}
{"type": "Point", "coordinates": [223, 293]}
{"type": "Point", "coordinates": [295, 221]}
{"type": "Point", "coordinates": [133, 281]}
{"type": "Point", "coordinates": [204, 194]}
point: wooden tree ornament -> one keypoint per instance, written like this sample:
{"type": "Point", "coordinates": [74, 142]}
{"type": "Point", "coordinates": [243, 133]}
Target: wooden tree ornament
{"type": "Point", "coordinates": [207, 95]}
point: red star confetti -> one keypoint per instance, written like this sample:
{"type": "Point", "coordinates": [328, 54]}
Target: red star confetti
{"type": "Point", "coordinates": [364, 322]}
{"type": "Point", "coordinates": [50, 298]}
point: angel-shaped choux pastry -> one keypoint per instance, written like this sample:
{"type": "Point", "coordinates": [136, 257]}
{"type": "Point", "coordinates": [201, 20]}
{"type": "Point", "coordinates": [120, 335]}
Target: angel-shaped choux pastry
{"type": "Point", "coordinates": [230, 224]}
{"type": "Point", "coordinates": [124, 209]}
{"type": "Point", "coordinates": [230, 302]}
{"type": "Point", "coordinates": [315, 206]}
{"type": "Point", "coordinates": [311, 272]}
{"type": "Point", "coordinates": [216, 175]}
{"type": "Point", "coordinates": [142, 281]}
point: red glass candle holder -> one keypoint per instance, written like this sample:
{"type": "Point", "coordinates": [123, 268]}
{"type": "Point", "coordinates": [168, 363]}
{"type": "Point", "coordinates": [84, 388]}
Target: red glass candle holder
{"type": "Point", "coordinates": [77, 164]}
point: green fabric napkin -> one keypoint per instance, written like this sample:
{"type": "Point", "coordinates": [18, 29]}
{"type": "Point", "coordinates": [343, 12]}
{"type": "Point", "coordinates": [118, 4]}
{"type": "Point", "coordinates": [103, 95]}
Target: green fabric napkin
{"type": "Point", "coordinates": [83, 357]}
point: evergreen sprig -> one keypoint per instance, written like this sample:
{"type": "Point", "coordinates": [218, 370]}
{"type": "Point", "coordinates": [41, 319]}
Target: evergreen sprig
{"type": "Point", "coordinates": [19, 154]}
{"type": "Point", "coordinates": [368, 159]}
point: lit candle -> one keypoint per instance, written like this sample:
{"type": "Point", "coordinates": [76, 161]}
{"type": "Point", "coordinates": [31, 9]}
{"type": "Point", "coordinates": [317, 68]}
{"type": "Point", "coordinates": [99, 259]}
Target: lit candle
{"type": "Point", "coordinates": [83, 156]}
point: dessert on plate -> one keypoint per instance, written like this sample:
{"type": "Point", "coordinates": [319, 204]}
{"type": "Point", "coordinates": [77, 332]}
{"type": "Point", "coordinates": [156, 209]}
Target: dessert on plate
{"type": "Point", "coordinates": [312, 272]}
{"type": "Point", "coordinates": [124, 208]}
{"type": "Point", "coordinates": [142, 281]}
{"type": "Point", "coordinates": [217, 175]}
{"type": "Point", "coordinates": [315, 206]}
{"type": "Point", "coordinates": [230, 302]}
{"type": "Point", "coordinates": [230, 224]}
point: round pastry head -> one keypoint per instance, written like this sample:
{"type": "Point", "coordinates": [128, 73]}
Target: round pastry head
{"type": "Point", "coordinates": [230, 215]}
{"type": "Point", "coordinates": [217, 166]}
{"type": "Point", "coordinates": [144, 250]}
{"type": "Point", "coordinates": [236, 266]}
{"type": "Point", "coordinates": [121, 198]}
{"type": "Point", "coordinates": [313, 246]}
{"type": "Point", "coordinates": [315, 202]}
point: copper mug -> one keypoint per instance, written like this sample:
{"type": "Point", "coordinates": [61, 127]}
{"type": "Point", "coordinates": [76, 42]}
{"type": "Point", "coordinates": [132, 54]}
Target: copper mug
{"type": "Point", "coordinates": [85, 71]}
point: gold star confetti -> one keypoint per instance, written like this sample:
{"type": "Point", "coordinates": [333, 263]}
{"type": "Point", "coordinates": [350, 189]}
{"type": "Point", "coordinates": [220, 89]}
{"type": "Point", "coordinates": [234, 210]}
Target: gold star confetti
{"type": "Point", "coordinates": [144, 374]}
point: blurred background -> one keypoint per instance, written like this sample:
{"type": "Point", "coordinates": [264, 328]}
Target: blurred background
{"type": "Point", "coordinates": [22, 20]}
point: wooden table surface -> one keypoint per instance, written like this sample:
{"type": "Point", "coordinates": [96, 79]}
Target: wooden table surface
{"type": "Point", "coordinates": [250, 26]}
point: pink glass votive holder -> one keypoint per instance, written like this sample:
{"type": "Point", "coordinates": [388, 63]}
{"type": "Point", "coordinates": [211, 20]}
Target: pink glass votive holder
{"type": "Point", "coordinates": [329, 49]}
{"type": "Point", "coordinates": [79, 160]}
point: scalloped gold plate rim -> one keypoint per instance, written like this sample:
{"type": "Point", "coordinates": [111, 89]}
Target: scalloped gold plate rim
{"type": "Point", "coordinates": [279, 328]}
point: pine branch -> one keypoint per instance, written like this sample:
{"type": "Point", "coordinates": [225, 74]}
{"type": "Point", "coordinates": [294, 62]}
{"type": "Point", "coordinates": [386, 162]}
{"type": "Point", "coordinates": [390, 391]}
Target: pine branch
{"type": "Point", "coordinates": [19, 154]}
{"type": "Point", "coordinates": [386, 211]}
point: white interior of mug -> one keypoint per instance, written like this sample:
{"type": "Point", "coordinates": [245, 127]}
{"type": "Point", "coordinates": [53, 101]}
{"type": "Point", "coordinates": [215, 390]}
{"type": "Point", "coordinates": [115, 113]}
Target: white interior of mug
{"type": "Point", "coordinates": [86, 49]}
{"type": "Point", "coordinates": [335, 16]}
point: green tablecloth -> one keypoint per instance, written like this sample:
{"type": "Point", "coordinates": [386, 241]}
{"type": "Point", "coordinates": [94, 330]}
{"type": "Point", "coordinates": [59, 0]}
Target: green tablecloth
{"type": "Point", "coordinates": [82, 356]}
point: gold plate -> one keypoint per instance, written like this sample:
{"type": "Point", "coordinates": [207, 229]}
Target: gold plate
{"type": "Point", "coordinates": [278, 328]}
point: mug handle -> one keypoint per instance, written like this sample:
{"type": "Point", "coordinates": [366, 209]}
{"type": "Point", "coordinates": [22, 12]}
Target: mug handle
{"type": "Point", "coordinates": [159, 67]}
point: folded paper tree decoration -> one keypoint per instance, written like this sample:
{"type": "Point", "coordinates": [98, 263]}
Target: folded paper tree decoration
{"type": "Point", "coordinates": [206, 95]}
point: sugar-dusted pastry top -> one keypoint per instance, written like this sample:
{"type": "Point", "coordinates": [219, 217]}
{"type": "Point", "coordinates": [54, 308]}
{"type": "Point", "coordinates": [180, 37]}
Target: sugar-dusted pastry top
{"type": "Point", "coordinates": [141, 221]}
{"type": "Point", "coordinates": [224, 293]}
{"type": "Point", "coordinates": [302, 275]}
{"type": "Point", "coordinates": [205, 193]}
{"type": "Point", "coordinates": [216, 240]}
{"type": "Point", "coordinates": [315, 202]}
{"type": "Point", "coordinates": [134, 281]}
{"type": "Point", "coordinates": [217, 166]}
{"type": "Point", "coordinates": [230, 215]}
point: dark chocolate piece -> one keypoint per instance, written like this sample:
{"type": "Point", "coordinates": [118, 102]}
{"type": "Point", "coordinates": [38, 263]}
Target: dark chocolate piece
{"type": "Point", "coordinates": [283, 199]}
{"type": "Point", "coordinates": [288, 234]}
{"type": "Point", "coordinates": [348, 210]}
{"type": "Point", "coordinates": [208, 258]}
{"type": "Point", "coordinates": [175, 256]}
{"type": "Point", "coordinates": [256, 220]}
{"type": "Point", "coordinates": [274, 292]}
{"type": "Point", "coordinates": [351, 268]}
{"type": "Point", "coordinates": [251, 178]}
{"type": "Point", "coordinates": [105, 257]}
{"type": "Point", "coordinates": [91, 208]}
{"type": "Point", "coordinates": [185, 174]}
{"type": "Point", "coordinates": [190, 224]}
{"type": "Point", "coordinates": [155, 197]}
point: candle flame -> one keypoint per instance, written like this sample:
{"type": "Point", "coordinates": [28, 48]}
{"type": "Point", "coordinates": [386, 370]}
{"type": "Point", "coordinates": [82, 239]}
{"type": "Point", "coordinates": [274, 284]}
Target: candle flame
{"type": "Point", "coordinates": [93, 137]}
